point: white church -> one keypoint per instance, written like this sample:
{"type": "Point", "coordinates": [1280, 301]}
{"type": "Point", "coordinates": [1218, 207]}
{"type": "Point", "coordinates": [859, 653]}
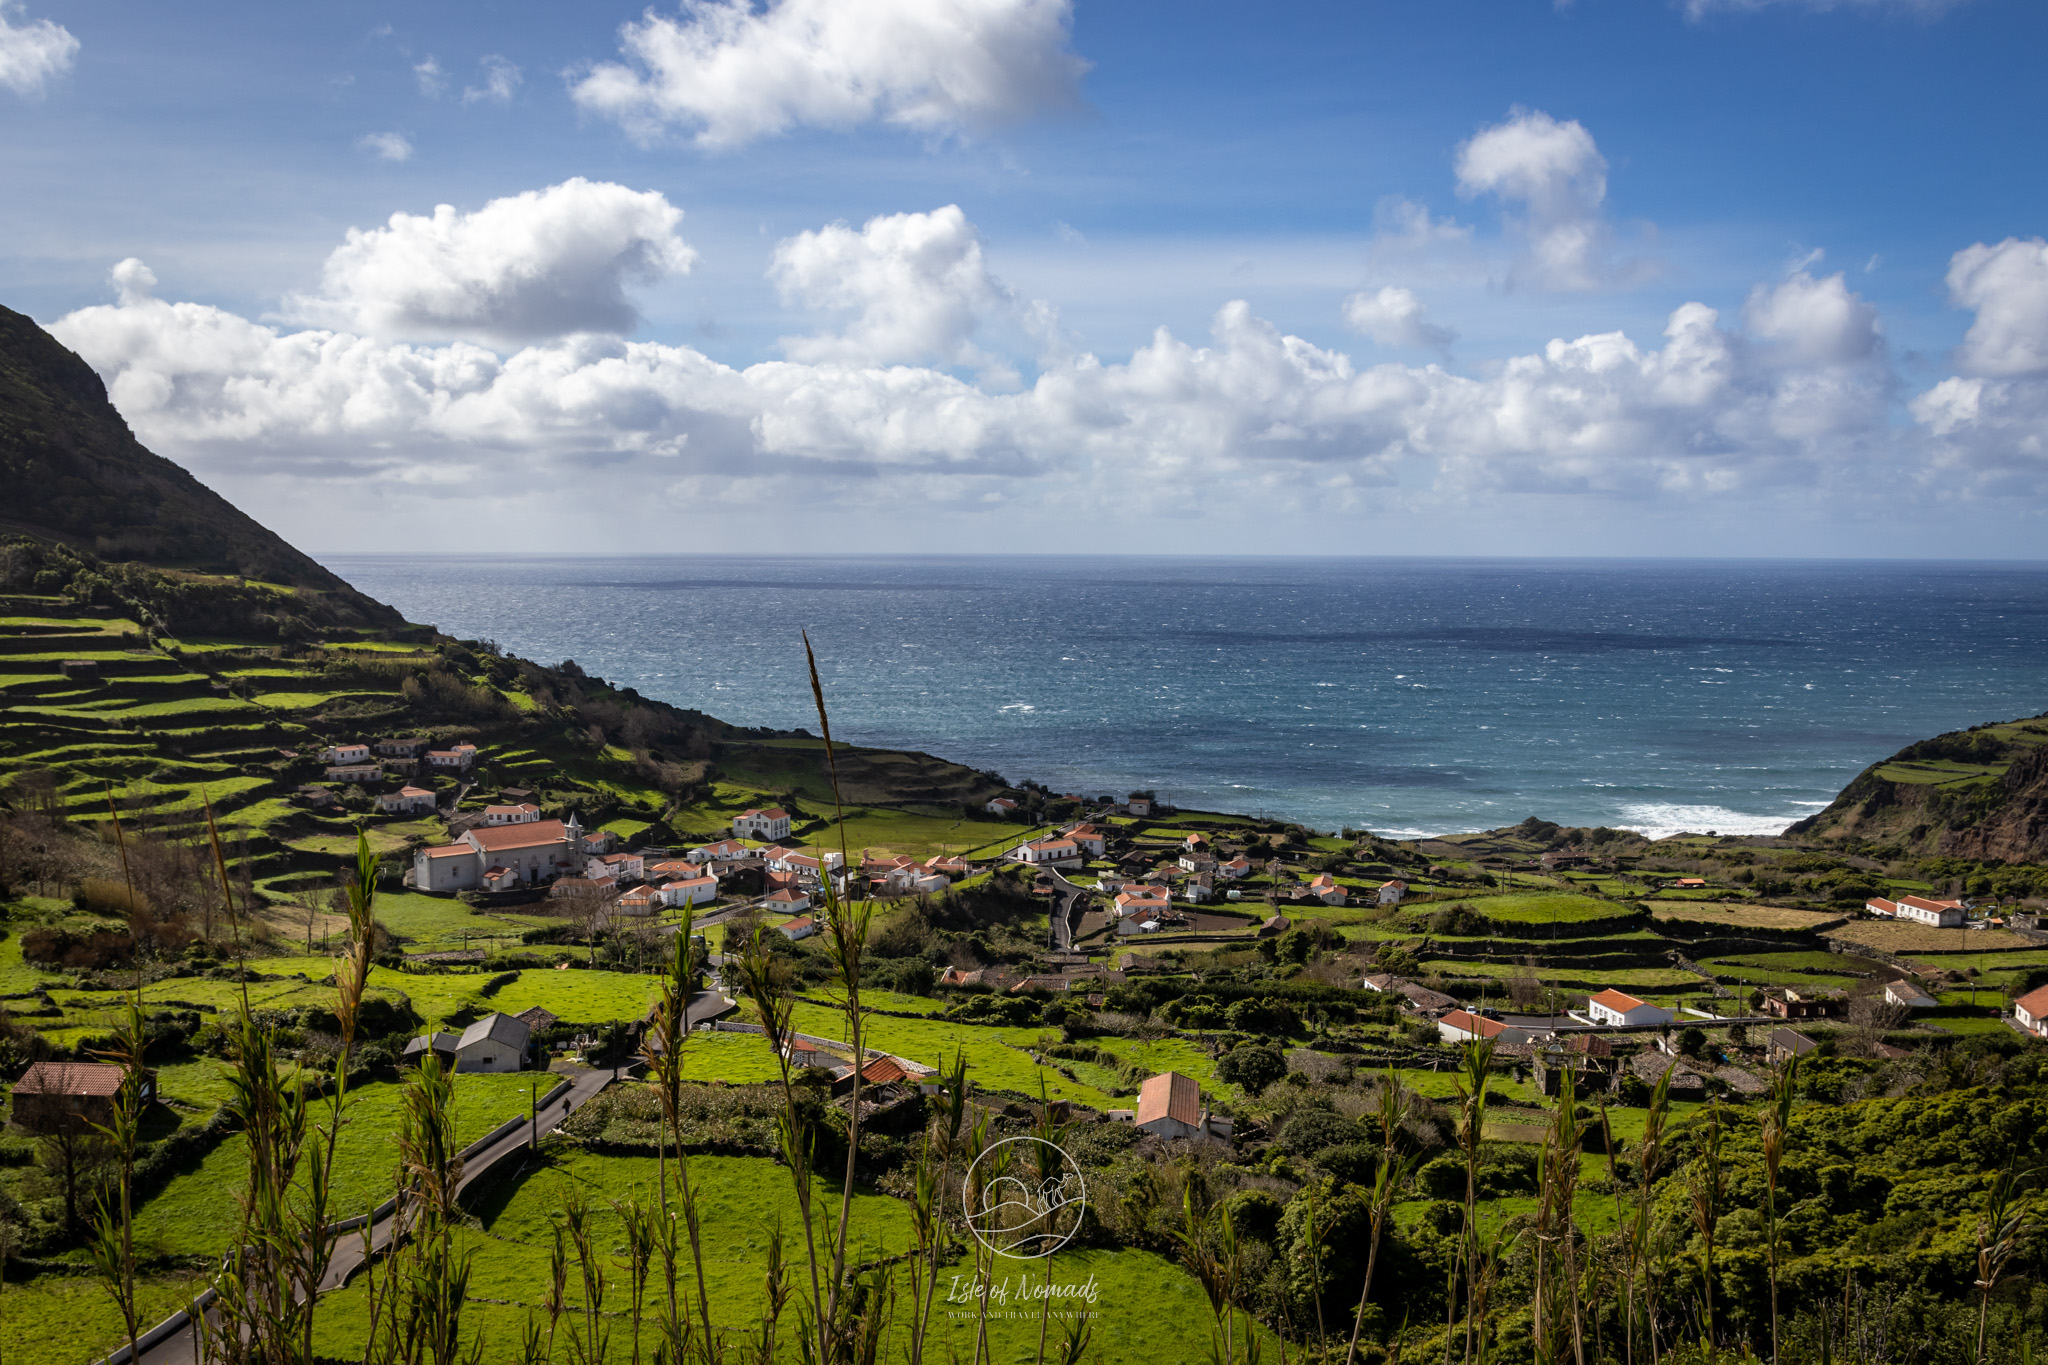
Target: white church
{"type": "Point", "coordinates": [501, 856]}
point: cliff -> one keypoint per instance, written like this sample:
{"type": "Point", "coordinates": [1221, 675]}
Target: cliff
{"type": "Point", "coordinates": [1980, 793]}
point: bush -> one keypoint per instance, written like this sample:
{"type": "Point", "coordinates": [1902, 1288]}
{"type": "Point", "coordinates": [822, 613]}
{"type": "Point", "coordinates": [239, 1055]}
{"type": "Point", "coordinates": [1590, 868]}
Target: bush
{"type": "Point", "coordinates": [1353, 1163]}
{"type": "Point", "coordinates": [91, 950]}
{"type": "Point", "coordinates": [1311, 1130]}
{"type": "Point", "coordinates": [496, 984]}
{"type": "Point", "coordinates": [1255, 1214]}
{"type": "Point", "coordinates": [1254, 1066]}
{"type": "Point", "coordinates": [1263, 1016]}
{"type": "Point", "coordinates": [100, 896]}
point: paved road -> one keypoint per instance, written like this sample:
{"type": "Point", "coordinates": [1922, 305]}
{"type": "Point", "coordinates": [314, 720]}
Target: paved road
{"type": "Point", "coordinates": [180, 1349]}
{"type": "Point", "coordinates": [1063, 917]}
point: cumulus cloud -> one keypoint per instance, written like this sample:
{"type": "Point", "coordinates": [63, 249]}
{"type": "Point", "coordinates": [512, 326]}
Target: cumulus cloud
{"type": "Point", "coordinates": [912, 286]}
{"type": "Point", "coordinates": [33, 53]}
{"type": "Point", "coordinates": [499, 83]}
{"type": "Point", "coordinates": [1393, 316]}
{"type": "Point", "coordinates": [544, 263]}
{"type": "Point", "coordinates": [1990, 423]}
{"type": "Point", "coordinates": [1792, 397]}
{"type": "Point", "coordinates": [1554, 172]}
{"type": "Point", "coordinates": [727, 72]}
{"type": "Point", "coordinates": [431, 79]}
{"type": "Point", "coordinates": [386, 146]}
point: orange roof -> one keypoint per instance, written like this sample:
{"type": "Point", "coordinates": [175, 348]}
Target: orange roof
{"type": "Point", "coordinates": [1170, 1095]}
{"type": "Point", "coordinates": [448, 851]}
{"type": "Point", "coordinates": [414, 791]}
{"type": "Point", "coordinates": [70, 1078]}
{"type": "Point", "coordinates": [883, 1071]}
{"type": "Point", "coordinates": [1923, 903]}
{"type": "Point", "coordinates": [495, 837]}
{"type": "Point", "coordinates": [786, 896]}
{"type": "Point", "coordinates": [1616, 1001]}
{"type": "Point", "coordinates": [1880, 900]}
{"type": "Point", "coordinates": [2034, 1002]}
{"type": "Point", "coordinates": [1474, 1023]}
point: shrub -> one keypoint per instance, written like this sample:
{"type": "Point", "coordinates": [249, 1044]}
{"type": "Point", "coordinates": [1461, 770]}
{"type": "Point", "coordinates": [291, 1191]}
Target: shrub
{"type": "Point", "coordinates": [1311, 1130]}
{"type": "Point", "coordinates": [496, 984]}
{"type": "Point", "coordinates": [52, 947]}
{"type": "Point", "coordinates": [1254, 1066]}
{"type": "Point", "coordinates": [100, 896]}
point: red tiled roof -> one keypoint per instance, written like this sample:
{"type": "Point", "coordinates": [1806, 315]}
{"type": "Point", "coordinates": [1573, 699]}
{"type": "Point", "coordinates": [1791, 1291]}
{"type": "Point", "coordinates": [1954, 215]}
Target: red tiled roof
{"type": "Point", "coordinates": [1474, 1023]}
{"type": "Point", "coordinates": [70, 1078]}
{"type": "Point", "coordinates": [1170, 1095]}
{"type": "Point", "coordinates": [2034, 1002]}
{"type": "Point", "coordinates": [1923, 903]}
{"type": "Point", "coordinates": [1616, 1001]}
{"type": "Point", "coordinates": [883, 1071]}
{"type": "Point", "coordinates": [496, 837]}
{"type": "Point", "coordinates": [449, 851]}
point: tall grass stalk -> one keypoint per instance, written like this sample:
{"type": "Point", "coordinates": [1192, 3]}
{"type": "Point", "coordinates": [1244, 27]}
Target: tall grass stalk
{"type": "Point", "coordinates": [1998, 1236]}
{"type": "Point", "coordinates": [1776, 1128]}
{"type": "Point", "coordinates": [1706, 1183]}
{"type": "Point", "coordinates": [664, 1049]}
{"type": "Point", "coordinates": [1476, 1072]}
{"type": "Point", "coordinates": [937, 1154]}
{"type": "Point", "coordinates": [113, 1241]}
{"type": "Point", "coordinates": [1649, 1161]}
{"type": "Point", "coordinates": [1389, 1180]}
{"type": "Point", "coordinates": [1555, 1299]}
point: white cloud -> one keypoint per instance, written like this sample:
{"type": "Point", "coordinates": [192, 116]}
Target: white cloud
{"type": "Point", "coordinates": [33, 53]}
{"type": "Point", "coordinates": [728, 73]}
{"type": "Point", "coordinates": [544, 263]}
{"type": "Point", "coordinates": [1556, 174]}
{"type": "Point", "coordinates": [2007, 286]}
{"type": "Point", "coordinates": [431, 79]}
{"type": "Point", "coordinates": [386, 146]}
{"type": "Point", "coordinates": [914, 285]}
{"type": "Point", "coordinates": [500, 82]}
{"type": "Point", "coordinates": [133, 281]}
{"type": "Point", "coordinates": [1393, 316]}
{"type": "Point", "coordinates": [1925, 9]}
{"type": "Point", "coordinates": [1173, 427]}
{"type": "Point", "coordinates": [1990, 423]}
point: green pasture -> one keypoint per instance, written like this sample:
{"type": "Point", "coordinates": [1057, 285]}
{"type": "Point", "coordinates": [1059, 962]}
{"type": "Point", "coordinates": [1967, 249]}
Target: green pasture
{"type": "Point", "coordinates": [997, 1058]}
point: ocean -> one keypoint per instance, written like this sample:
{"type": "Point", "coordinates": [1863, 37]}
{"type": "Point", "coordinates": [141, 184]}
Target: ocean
{"type": "Point", "coordinates": [1407, 696]}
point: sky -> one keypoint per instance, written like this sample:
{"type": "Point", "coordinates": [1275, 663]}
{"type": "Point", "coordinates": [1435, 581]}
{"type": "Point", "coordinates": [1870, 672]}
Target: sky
{"type": "Point", "coordinates": [1630, 277]}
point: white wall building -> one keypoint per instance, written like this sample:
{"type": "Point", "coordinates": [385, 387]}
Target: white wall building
{"type": "Point", "coordinates": [406, 801]}
{"type": "Point", "coordinates": [1391, 892]}
{"type": "Point", "coordinates": [1614, 1009]}
{"type": "Point", "coordinates": [2030, 1012]}
{"type": "Point", "coordinates": [770, 824]}
{"type": "Point", "coordinates": [690, 891]}
{"type": "Point", "coordinates": [1939, 914]}
{"type": "Point", "coordinates": [525, 813]}
{"type": "Point", "coordinates": [496, 1042]}
{"type": "Point", "coordinates": [345, 753]}
{"type": "Point", "coordinates": [533, 852]}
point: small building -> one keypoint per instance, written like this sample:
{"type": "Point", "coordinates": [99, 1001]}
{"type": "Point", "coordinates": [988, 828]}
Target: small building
{"type": "Point", "coordinates": [498, 877]}
{"type": "Point", "coordinates": [1088, 839]}
{"type": "Point", "coordinates": [951, 866]}
{"type": "Point", "coordinates": [1137, 803]}
{"type": "Point", "coordinates": [1390, 893]}
{"type": "Point", "coordinates": [668, 869]}
{"type": "Point", "coordinates": [442, 1045]}
{"type": "Point", "coordinates": [496, 1042]}
{"type": "Point", "coordinates": [1170, 1106]}
{"type": "Point", "coordinates": [598, 842]}
{"type": "Point", "coordinates": [959, 976]}
{"type": "Point", "coordinates": [356, 772]}
{"type": "Point", "coordinates": [345, 753]}
{"type": "Point", "coordinates": [1462, 1026]}
{"type": "Point", "coordinates": [1325, 889]}
{"type": "Point", "coordinates": [1194, 843]}
{"type": "Point", "coordinates": [1140, 899]}
{"type": "Point", "coordinates": [1796, 1003]}
{"type": "Point", "coordinates": [1614, 1009]}
{"type": "Point", "coordinates": [1235, 868]}
{"type": "Point", "coordinates": [800, 928]}
{"type": "Point", "coordinates": [786, 902]}
{"type": "Point", "coordinates": [407, 801]}
{"type": "Point", "coordinates": [537, 1019]}
{"type": "Point", "coordinates": [57, 1097]}
{"type": "Point", "coordinates": [2030, 1012]}
{"type": "Point", "coordinates": [1938, 914]}
{"type": "Point", "coordinates": [689, 891]}
{"type": "Point", "coordinates": [725, 850]}
{"type": "Point", "coordinates": [1001, 805]}
{"type": "Point", "coordinates": [1908, 996]}
{"type": "Point", "coordinates": [641, 900]}
{"type": "Point", "coordinates": [537, 851]}
{"type": "Point", "coordinates": [1049, 852]}
{"type": "Point", "coordinates": [622, 867]}
{"type": "Point", "coordinates": [400, 748]}
{"type": "Point", "coordinates": [458, 759]}
{"type": "Point", "coordinates": [1882, 908]}
{"type": "Point", "coordinates": [1687, 884]}
{"type": "Point", "coordinates": [525, 813]}
{"type": "Point", "coordinates": [770, 824]}
{"type": "Point", "coordinates": [1785, 1042]}
{"type": "Point", "coordinates": [1197, 889]}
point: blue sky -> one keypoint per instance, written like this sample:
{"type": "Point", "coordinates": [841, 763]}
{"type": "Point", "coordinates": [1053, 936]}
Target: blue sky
{"type": "Point", "coordinates": [868, 269]}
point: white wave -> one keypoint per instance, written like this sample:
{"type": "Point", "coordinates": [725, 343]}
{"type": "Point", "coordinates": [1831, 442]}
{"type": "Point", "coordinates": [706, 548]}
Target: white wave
{"type": "Point", "coordinates": [1658, 820]}
{"type": "Point", "coordinates": [1023, 706]}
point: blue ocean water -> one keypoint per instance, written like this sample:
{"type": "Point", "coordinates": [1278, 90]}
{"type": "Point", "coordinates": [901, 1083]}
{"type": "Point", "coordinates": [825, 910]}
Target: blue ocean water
{"type": "Point", "coordinates": [1408, 696]}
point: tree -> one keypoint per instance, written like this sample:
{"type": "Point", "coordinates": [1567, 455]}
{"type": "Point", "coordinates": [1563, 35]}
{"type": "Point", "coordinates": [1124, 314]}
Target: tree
{"type": "Point", "coordinates": [1691, 1041]}
{"type": "Point", "coordinates": [1253, 1066]}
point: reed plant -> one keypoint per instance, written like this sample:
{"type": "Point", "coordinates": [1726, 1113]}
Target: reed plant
{"type": "Point", "coordinates": [1390, 1177]}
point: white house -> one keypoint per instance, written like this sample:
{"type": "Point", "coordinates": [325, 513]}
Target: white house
{"type": "Point", "coordinates": [1614, 1009]}
{"type": "Point", "coordinates": [599, 841]}
{"type": "Point", "coordinates": [1139, 900]}
{"type": "Point", "coordinates": [355, 772]}
{"type": "Point", "coordinates": [624, 867]}
{"type": "Point", "coordinates": [406, 801]}
{"type": "Point", "coordinates": [690, 891]}
{"type": "Point", "coordinates": [533, 852]}
{"type": "Point", "coordinates": [947, 865]}
{"type": "Point", "coordinates": [1053, 852]}
{"type": "Point", "coordinates": [1882, 908]}
{"type": "Point", "coordinates": [770, 824]}
{"type": "Point", "coordinates": [930, 883]}
{"type": "Point", "coordinates": [725, 850]}
{"type": "Point", "coordinates": [1170, 1106]}
{"type": "Point", "coordinates": [1391, 892]}
{"type": "Point", "coordinates": [1237, 867]}
{"type": "Point", "coordinates": [799, 928]}
{"type": "Point", "coordinates": [1088, 839]}
{"type": "Point", "coordinates": [1138, 805]}
{"type": "Point", "coordinates": [1002, 805]}
{"type": "Point", "coordinates": [457, 759]}
{"type": "Point", "coordinates": [1909, 996]}
{"type": "Point", "coordinates": [523, 814]}
{"type": "Point", "coordinates": [2030, 1012]}
{"type": "Point", "coordinates": [668, 869]}
{"type": "Point", "coordinates": [496, 1042]}
{"type": "Point", "coordinates": [345, 753]}
{"type": "Point", "coordinates": [500, 878]}
{"type": "Point", "coordinates": [1460, 1026]}
{"type": "Point", "coordinates": [1196, 890]}
{"type": "Point", "coordinates": [787, 902]}
{"type": "Point", "coordinates": [1940, 914]}
{"type": "Point", "coordinates": [1325, 889]}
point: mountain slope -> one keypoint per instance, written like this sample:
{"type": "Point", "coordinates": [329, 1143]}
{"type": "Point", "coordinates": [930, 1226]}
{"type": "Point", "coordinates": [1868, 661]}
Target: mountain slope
{"type": "Point", "coordinates": [1978, 793]}
{"type": "Point", "coordinates": [74, 474]}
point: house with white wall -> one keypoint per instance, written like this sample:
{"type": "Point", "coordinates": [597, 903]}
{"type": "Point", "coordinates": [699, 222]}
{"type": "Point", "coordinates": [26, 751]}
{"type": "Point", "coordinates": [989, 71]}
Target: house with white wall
{"type": "Point", "coordinates": [1614, 1009]}
{"type": "Point", "coordinates": [524, 813]}
{"type": "Point", "coordinates": [689, 891]}
{"type": "Point", "coordinates": [1048, 852]}
{"type": "Point", "coordinates": [496, 1042]}
{"type": "Point", "coordinates": [456, 759]}
{"type": "Point", "coordinates": [2030, 1012]}
{"type": "Point", "coordinates": [345, 753]}
{"type": "Point", "coordinates": [534, 852]}
{"type": "Point", "coordinates": [1937, 914]}
{"type": "Point", "coordinates": [1390, 893]}
{"type": "Point", "coordinates": [770, 824]}
{"type": "Point", "coordinates": [406, 801]}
